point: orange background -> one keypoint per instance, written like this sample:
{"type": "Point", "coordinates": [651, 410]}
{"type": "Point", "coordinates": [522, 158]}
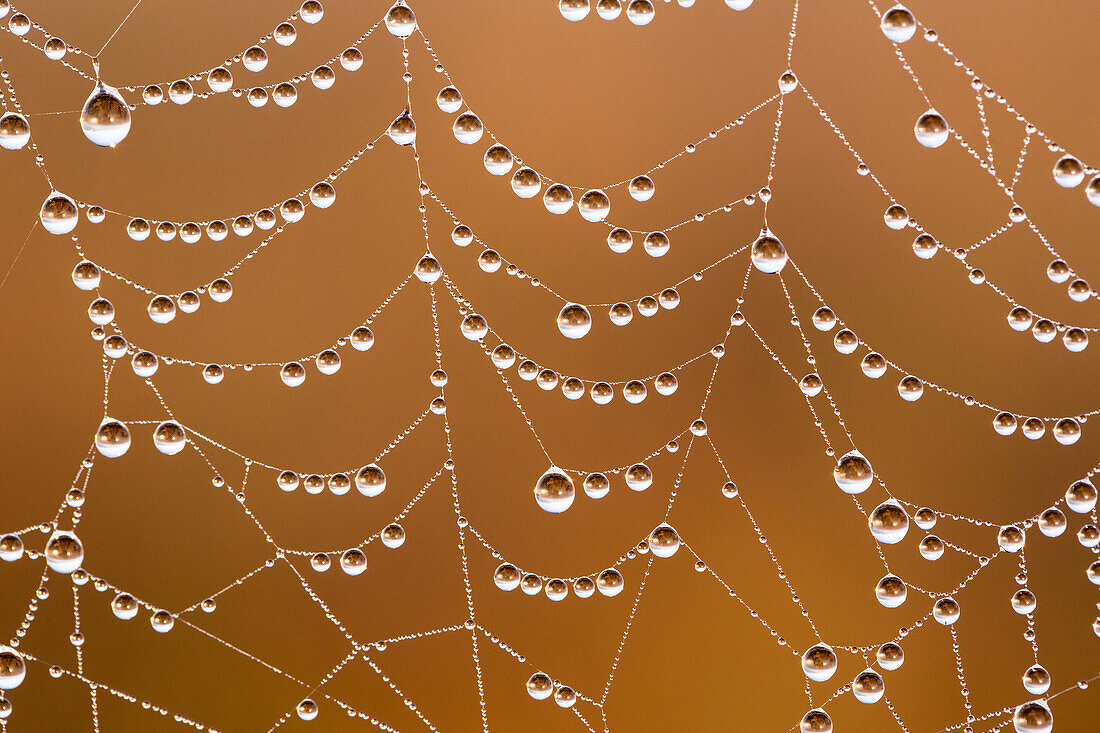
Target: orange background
{"type": "Point", "coordinates": [588, 103]}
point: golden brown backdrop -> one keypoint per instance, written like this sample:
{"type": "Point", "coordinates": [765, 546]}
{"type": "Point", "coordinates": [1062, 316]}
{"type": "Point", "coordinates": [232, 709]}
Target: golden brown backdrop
{"type": "Point", "coordinates": [587, 103]}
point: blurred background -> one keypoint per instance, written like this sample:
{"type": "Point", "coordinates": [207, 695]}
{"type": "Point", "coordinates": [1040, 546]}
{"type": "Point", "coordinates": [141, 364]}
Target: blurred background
{"type": "Point", "coordinates": [587, 103]}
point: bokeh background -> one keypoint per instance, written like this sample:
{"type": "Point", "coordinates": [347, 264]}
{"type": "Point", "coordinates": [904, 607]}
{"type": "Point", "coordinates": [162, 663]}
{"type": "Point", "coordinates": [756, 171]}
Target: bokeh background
{"type": "Point", "coordinates": [587, 103]}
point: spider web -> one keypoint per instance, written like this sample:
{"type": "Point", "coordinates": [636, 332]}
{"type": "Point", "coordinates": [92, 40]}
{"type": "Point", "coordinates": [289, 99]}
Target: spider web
{"type": "Point", "coordinates": [468, 558]}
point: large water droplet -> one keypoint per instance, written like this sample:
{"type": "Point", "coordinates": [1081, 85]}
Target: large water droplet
{"type": "Point", "coordinates": [574, 321]}
{"type": "Point", "coordinates": [931, 129]}
{"type": "Point", "coordinates": [15, 131]}
{"type": "Point", "coordinates": [12, 668]}
{"type": "Point", "coordinates": [58, 214]}
{"type": "Point", "coordinates": [898, 24]}
{"type": "Point", "coordinates": [105, 118]}
{"type": "Point", "coordinates": [403, 129]}
{"type": "Point", "coordinates": [1033, 717]}
{"type": "Point", "coordinates": [554, 491]}
{"type": "Point", "coordinates": [768, 254]}
{"type": "Point", "coordinates": [64, 553]}
{"type": "Point", "coordinates": [400, 20]}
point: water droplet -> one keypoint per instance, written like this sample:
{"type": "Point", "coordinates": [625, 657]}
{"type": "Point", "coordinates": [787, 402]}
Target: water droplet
{"type": "Point", "coordinates": [1033, 717]}
{"type": "Point", "coordinates": [768, 254]}
{"type": "Point", "coordinates": [15, 131]}
{"type": "Point", "coordinates": [105, 118]}
{"type": "Point", "coordinates": [574, 321]}
{"type": "Point", "coordinates": [13, 670]}
{"type": "Point", "coordinates": [931, 129]}
{"type": "Point", "coordinates": [898, 24]}
{"type": "Point", "coordinates": [403, 129]}
{"type": "Point", "coordinates": [400, 20]}
{"type": "Point", "coordinates": [64, 552]}
{"type": "Point", "coordinates": [554, 491]}
{"type": "Point", "coordinates": [59, 214]}
{"type": "Point", "coordinates": [888, 522]}
{"type": "Point", "coordinates": [819, 662]}
{"type": "Point", "coordinates": [112, 439]}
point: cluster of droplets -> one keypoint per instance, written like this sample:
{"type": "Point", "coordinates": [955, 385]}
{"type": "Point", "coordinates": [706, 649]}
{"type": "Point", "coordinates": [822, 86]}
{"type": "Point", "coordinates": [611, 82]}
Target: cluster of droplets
{"type": "Point", "coordinates": [593, 204]}
{"type": "Point", "coordinates": [475, 327]}
{"type": "Point", "coordinates": [555, 490]}
{"type": "Point", "coordinates": [638, 12]}
{"type": "Point", "coordinates": [1066, 430]}
{"type": "Point", "coordinates": [60, 215]}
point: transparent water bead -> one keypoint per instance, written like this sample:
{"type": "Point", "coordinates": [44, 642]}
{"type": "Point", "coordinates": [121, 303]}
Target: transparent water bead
{"type": "Point", "coordinates": [11, 548]}
{"type": "Point", "coordinates": [428, 269]}
{"type": "Point", "coordinates": [641, 188]}
{"type": "Point", "coordinates": [868, 687]}
{"type": "Point", "coordinates": [306, 709]}
{"type": "Point", "coordinates": [557, 199]}
{"type": "Point", "coordinates": [664, 541]}
{"type": "Point", "coordinates": [400, 20]}
{"type": "Point", "coordinates": [640, 12]}
{"type": "Point", "coordinates": [105, 118]}
{"type": "Point", "coordinates": [1068, 172]}
{"type": "Point", "coordinates": [610, 582]}
{"type": "Point", "coordinates": [1033, 717]}
{"type": "Point", "coordinates": [467, 128]}
{"type": "Point", "coordinates": [768, 254]}
{"type": "Point", "coordinates": [565, 697]}
{"type": "Point", "coordinates": [816, 721]}
{"type": "Point", "coordinates": [58, 214]}
{"type": "Point", "coordinates": [1081, 496]}
{"type": "Point", "coordinates": [890, 656]}
{"type": "Point", "coordinates": [596, 485]}
{"type": "Point", "coordinates": [507, 576]}
{"type": "Point", "coordinates": [219, 80]}
{"type": "Point", "coordinates": [554, 491]}
{"type": "Point", "coordinates": [403, 129]}
{"type": "Point", "coordinates": [853, 473]}
{"type": "Point", "coordinates": [574, 10]}
{"type": "Point", "coordinates": [370, 480]}
{"type": "Point", "coordinates": [393, 536]}
{"type": "Point", "coordinates": [898, 24]}
{"type": "Point", "coordinates": [888, 522]}
{"type": "Point", "coordinates": [931, 548]}
{"type": "Point", "coordinates": [13, 670]}
{"type": "Point", "coordinates": [353, 562]}
{"type": "Point", "coordinates": [819, 662]}
{"type": "Point", "coordinates": [162, 621]}
{"type": "Point", "coordinates": [169, 438]}
{"type": "Point", "coordinates": [449, 99]}
{"type": "Point", "coordinates": [254, 59]}
{"type": "Point", "coordinates": [112, 439]}
{"type": "Point", "coordinates": [946, 611]}
{"type": "Point", "coordinates": [788, 82]}
{"type": "Point", "coordinates": [15, 131]}
{"type": "Point", "coordinates": [931, 129]}
{"type": "Point", "coordinates": [161, 309]}
{"type": "Point", "coordinates": [124, 606]}
{"type": "Point", "coordinates": [498, 160]}
{"type": "Point", "coordinates": [910, 388]}
{"type": "Point", "coordinates": [594, 205]}
{"type": "Point", "coordinates": [293, 374]}
{"type": "Point", "coordinates": [639, 477]}
{"type": "Point", "coordinates": [609, 9]}
{"type": "Point", "coordinates": [64, 552]}
{"type": "Point", "coordinates": [1036, 679]}
{"type": "Point", "coordinates": [540, 686]}
{"type": "Point", "coordinates": [574, 321]}
{"type": "Point", "coordinates": [891, 591]}
{"type": "Point", "coordinates": [526, 183]}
